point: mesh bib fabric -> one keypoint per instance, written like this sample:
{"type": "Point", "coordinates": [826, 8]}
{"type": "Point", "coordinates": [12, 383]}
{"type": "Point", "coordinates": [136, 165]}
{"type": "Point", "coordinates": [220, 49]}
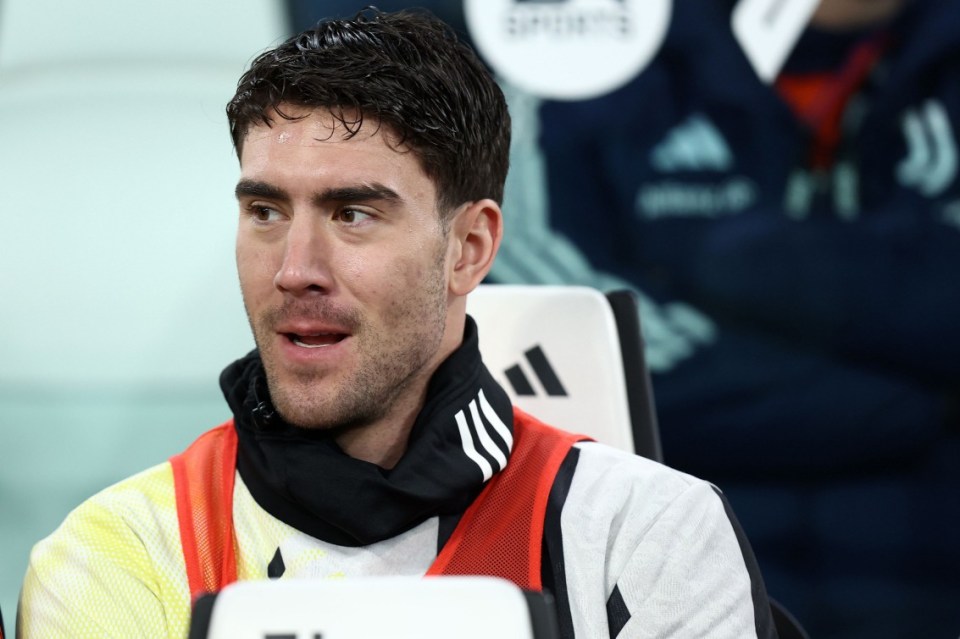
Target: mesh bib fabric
{"type": "Point", "coordinates": [203, 477]}
{"type": "Point", "coordinates": [501, 534]}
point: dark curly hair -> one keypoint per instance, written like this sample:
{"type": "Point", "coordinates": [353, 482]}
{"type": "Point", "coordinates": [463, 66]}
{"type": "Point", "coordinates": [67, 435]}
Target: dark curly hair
{"type": "Point", "coordinates": [406, 70]}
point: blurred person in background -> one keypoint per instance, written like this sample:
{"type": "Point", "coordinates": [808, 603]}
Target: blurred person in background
{"type": "Point", "coordinates": [795, 247]}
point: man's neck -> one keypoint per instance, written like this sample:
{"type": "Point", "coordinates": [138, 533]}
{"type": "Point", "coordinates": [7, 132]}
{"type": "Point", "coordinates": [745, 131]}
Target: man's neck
{"type": "Point", "coordinates": [384, 442]}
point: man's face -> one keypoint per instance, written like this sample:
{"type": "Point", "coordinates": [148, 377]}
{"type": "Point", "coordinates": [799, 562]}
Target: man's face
{"type": "Point", "coordinates": [342, 263]}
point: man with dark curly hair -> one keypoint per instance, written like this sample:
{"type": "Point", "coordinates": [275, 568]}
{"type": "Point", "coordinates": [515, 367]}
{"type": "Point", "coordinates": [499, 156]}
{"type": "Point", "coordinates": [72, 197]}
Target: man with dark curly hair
{"type": "Point", "coordinates": [367, 436]}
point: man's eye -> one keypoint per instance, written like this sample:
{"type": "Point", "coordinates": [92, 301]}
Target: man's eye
{"type": "Point", "coordinates": [352, 216]}
{"type": "Point", "coordinates": [264, 213]}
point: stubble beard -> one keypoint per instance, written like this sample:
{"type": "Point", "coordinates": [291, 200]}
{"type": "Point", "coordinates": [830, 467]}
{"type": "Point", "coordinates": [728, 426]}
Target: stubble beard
{"type": "Point", "coordinates": [386, 361]}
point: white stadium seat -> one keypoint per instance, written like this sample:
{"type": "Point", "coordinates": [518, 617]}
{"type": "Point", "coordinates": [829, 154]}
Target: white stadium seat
{"type": "Point", "coordinates": [572, 357]}
{"type": "Point", "coordinates": [366, 607]}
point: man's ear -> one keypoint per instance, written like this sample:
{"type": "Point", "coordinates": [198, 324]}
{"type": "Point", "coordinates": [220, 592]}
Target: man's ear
{"type": "Point", "coordinates": [475, 236]}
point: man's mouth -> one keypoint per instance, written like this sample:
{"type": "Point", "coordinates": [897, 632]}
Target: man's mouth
{"type": "Point", "coordinates": [315, 340]}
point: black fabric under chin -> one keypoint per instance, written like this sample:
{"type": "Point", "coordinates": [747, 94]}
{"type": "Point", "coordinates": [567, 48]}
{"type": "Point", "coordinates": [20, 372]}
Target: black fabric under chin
{"type": "Point", "coordinates": [303, 478]}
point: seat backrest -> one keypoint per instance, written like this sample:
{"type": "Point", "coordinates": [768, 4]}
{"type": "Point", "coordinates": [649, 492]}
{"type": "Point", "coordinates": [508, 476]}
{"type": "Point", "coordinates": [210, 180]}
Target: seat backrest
{"type": "Point", "coordinates": [571, 357]}
{"type": "Point", "coordinates": [405, 608]}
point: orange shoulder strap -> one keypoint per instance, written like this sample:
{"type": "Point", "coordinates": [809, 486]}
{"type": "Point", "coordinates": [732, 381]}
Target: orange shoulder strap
{"type": "Point", "coordinates": [203, 478]}
{"type": "Point", "coordinates": [501, 533]}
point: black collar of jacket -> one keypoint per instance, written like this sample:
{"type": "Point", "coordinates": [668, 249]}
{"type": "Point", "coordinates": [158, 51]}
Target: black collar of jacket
{"type": "Point", "coordinates": [303, 478]}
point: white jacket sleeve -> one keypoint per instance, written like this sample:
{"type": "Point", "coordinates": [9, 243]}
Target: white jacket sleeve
{"type": "Point", "coordinates": [661, 548]}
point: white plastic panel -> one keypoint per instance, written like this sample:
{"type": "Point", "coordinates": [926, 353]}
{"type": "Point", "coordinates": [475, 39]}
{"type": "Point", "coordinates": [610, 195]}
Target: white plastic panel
{"type": "Point", "coordinates": [361, 608]}
{"type": "Point", "coordinates": [575, 330]}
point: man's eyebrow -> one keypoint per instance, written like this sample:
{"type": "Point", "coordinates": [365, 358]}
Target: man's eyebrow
{"type": "Point", "coordinates": [254, 188]}
{"type": "Point", "coordinates": [357, 193]}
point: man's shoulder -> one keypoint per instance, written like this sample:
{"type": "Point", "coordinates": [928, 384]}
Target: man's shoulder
{"type": "Point", "coordinates": [608, 464]}
{"type": "Point", "coordinates": [629, 500]}
{"type": "Point", "coordinates": [630, 475]}
{"type": "Point", "coordinates": [113, 566]}
{"type": "Point", "coordinates": [121, 517]}
{"type": "Point", "coordinates": [153, 487]}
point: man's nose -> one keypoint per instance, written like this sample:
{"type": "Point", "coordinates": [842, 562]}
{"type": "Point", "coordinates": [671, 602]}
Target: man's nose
{"type": "Point", "coordinates": [306, 258]}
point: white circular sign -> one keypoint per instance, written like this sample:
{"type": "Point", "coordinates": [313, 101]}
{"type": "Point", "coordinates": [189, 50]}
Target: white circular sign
{"type": "Point", "coordinates": [568, 49]}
